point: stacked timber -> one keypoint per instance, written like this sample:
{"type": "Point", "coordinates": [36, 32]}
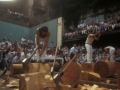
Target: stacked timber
{"type": "Point", "coordinates": [117, 65]}
{"type": "Point", "coordinates": [105, 68]}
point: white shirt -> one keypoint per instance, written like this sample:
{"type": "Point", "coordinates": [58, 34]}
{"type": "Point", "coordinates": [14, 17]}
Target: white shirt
{"type": "Point", "coordinates": [23, 41]}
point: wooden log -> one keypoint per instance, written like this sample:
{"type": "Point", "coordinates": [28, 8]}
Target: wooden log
{"type": "Point", "coordinates": [33, 67]}
{"type": "Point", "coordinates": [72, 74]}
{"type": "Point", "coordinates": [16, 69]}
{"type": "Point", "coordinates": [117, 65]}
{"type": "Point", "coordinates": [49, 80]}
{"type": "Point", "coordinates": [90, 76]}
{"type": "Point", "coordinates": [105, 68]}
{"type": "Point", "coordinates": [56, 66]}
{"type": "Point", "coordinates": [84, 75]}
{"type": "Point", "coordinates": [44, 68]}
{"type": "Point", "coordinates": [35, 81]}
{"type": "Point", "coordinates": [88, 66]}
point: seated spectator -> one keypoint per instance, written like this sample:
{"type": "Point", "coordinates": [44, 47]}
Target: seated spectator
{"type": "Point", "coordinates": [23, 41]}
{"type": "Point", "coordinates": [66, 35]}
{"type": "Point", "coordinates": [30, 42]}
{"type": "Point", "coordinates": [118, 23]}
{"type": "Point", "coordinates": [18, 58]}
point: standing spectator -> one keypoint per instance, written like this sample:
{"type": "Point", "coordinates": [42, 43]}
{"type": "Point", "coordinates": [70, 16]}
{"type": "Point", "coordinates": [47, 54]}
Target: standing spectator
{"type": "Point", "coordinates": [23, 41]}
{"type": "Point", "coordinates": [73, 51]}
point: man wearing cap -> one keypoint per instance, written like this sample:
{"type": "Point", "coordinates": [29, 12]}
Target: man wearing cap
{"type": "Point", "coordinates": [42, 36]}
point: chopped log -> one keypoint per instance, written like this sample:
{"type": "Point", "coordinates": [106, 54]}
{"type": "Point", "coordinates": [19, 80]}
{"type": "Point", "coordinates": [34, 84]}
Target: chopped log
{"type": "Point", "coordinates": [88, 66]}
{"type": "Point", "coordinates": [34, 67]}
{"type": "Point", "coordinates": [49, 80]}
{"type": "Point", "coordinates": [117, 65]}
{"type": "Point", "coordinates": [72, 74]}
{"type": "Point", "coordinates": [34, 81]}
{"type": "Point", "coordinates": [84, 75]}
{"type": "Point", "coordinates": [105, 68]}
{"type": "Point", "coordinates": [56, 66]}
{"type": "Point", "coordinates": [6, 81]}
{"type": "Point", "coordinates": [16, 69]}
{"type": "Point", "coordinates": [90, 76]}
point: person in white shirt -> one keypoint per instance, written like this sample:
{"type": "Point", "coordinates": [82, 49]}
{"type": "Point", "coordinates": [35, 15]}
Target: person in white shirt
{"type": "Point", "coordinates": [73, 51]}
{"type": "Point", "coordinates": [23, 41]}
{"type": "Point", "coordinates": [30, 42]}
{"type": "Point", "coordinates": [111, 51]}
{"type": "Point", "coordinates": [18, 58]}
{"type": "Point", "coordinates": [3, 42]}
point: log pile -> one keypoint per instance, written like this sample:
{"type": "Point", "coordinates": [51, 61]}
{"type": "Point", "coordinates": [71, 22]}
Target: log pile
{"type": "Point", "coordinates": [40, 79]}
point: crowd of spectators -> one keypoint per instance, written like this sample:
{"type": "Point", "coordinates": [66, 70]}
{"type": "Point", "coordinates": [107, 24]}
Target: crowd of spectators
{"type": "Point", "coordinates": [19, 15]}
{"type": "Point", "coordinates": [98, 54]}
{"type": "Point", "coordinates": [83, 28]}
{"type": "Point", "coordinates": [13, 52]}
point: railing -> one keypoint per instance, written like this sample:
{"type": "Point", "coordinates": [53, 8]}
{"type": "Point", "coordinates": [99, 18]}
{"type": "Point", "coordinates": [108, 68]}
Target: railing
{"type": "Point", "coordinates": [83, 36]}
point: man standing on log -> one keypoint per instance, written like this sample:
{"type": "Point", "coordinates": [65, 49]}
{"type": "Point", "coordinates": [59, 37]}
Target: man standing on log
{"type": "Point", "coordinates": [42, 36]}
{"type": "Point", "coordinates": [88, 44]}
{"type": "Point", "coordinates": [111, 51]}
